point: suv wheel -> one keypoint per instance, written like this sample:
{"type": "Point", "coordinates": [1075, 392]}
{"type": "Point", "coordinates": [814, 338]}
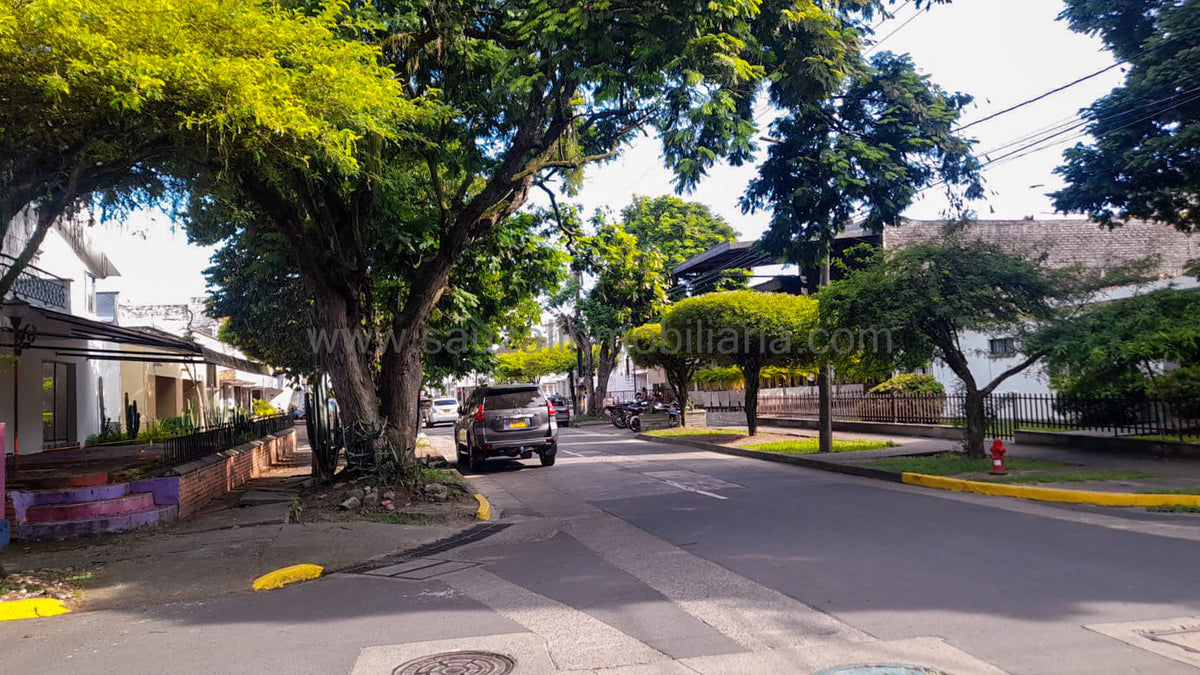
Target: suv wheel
{"type": "Point", "coordinates": [547, 457]}
{"type": "Point", "coordinates": [475, 460]}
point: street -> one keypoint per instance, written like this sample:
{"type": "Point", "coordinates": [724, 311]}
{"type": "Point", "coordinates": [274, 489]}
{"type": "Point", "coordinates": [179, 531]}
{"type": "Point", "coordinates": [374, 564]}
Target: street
{"type": "Point", "coordinates": [630, 552]}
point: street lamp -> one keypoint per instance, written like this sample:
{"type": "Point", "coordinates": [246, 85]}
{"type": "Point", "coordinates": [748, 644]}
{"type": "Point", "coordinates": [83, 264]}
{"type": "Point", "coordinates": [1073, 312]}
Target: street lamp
{"type": "Point", "coordinates": [23, 337]}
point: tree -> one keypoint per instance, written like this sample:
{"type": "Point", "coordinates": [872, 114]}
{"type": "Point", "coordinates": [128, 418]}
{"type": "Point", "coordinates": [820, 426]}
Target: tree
{"type": "Point", "coordinates": [1122, 348]}
{"type": "Point", "coordinates": [650, 347]}
{"type": "Point", "coordinates": [111, 96]}
{"type": "Point", "coordinates": [861, 157]}
{"type": "Point", "coordinates": [745, 328]}
{"type": "Point", "coordinates": [914, 304]}
{"type": "Point", "coordinates": [680, 231]}
{"type": "Point", "coordinates": [1142, 162]}
{"type": "Point", "coordinates": [521, 93]}
{"type": "Point", "coordinates": [629, 290]}
{"type": "Point", "coordinates": [528, 366]}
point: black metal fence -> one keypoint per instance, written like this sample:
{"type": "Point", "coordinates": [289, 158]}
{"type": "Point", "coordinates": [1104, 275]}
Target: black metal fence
{"type": "Point", "coordinates": [1118, 416]}
{"type": "Point", "coordinates": [214, 439]}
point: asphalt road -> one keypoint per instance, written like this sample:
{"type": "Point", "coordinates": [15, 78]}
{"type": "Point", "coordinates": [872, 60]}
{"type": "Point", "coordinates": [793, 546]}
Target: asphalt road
{"type": "Point", "coordinates": [653, 558]}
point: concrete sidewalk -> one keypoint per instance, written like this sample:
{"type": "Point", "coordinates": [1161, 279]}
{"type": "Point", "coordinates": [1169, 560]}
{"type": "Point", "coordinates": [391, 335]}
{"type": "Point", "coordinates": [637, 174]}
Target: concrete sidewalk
{"type": "Point", "coordinates": [219, 551]}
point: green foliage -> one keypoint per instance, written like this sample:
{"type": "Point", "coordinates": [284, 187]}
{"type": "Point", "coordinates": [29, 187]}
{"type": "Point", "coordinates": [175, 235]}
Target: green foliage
{"type": "Point", "coordinates": [680, 230]}
{"type": "Point", "coordinates": [917, 301]}
{"type": "Point", "coordinates": [261, 408]}
{"type": "Point", "coordinates": [812, 445]}
{"type": "Point", "coordinates": [953, 463]}
{"type": "Point", "coordinates": [1147, 132]}
{"type": "Point", "coordinates": [748, 329]}
{"type": "Point", "coordinates": [910, 383]}
{"type": "Point", "coordinates": [861, 157]}
{"type": "Point", "coordinates": [726, 377]}
{"type": "Point", "coordinates": [744, 327]}
{"type": "Point", "coordinates": [1119, 348]}
{"type": "Point", "coordinates": [524, 366]}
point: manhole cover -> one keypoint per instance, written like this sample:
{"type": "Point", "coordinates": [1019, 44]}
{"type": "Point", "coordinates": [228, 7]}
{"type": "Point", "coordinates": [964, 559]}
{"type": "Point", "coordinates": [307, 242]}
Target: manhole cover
{"type": "Point", "coordinates": [882, 669]}
{"type": "Point", "coordinates": [458, 663]}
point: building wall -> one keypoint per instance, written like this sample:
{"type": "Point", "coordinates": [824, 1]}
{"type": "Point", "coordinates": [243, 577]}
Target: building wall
{"type": "Point", "coordinates": [1068, 242]}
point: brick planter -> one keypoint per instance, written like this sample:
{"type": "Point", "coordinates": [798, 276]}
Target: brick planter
{"type": "Point", "coordinates": [206, 479]}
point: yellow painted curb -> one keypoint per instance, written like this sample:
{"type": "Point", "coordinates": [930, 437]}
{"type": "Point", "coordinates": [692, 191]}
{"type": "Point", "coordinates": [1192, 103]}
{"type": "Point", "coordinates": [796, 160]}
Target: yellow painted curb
{"type": "Point", "coordinates": [288, 575]}
{"type": "Point", "coordinates": [1049, 494]}
{"type": "Point", "coordinates": [484, 512]}
{"type": "Point", "coordinates": [31, 608]}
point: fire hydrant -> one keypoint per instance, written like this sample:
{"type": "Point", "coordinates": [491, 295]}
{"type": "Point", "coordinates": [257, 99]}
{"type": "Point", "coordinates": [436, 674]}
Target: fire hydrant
{"type": "Point", "coordinates": [998, 458]}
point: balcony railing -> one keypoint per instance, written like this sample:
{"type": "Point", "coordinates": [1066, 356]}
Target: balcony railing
{"type": "Point", "coordinates": [37, 286]}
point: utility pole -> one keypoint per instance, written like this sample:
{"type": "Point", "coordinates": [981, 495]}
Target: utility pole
{"type": "Point", "coordinates": [825, 387]}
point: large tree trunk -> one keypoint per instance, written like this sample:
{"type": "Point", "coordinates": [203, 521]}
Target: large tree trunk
{"type": "Point", "coordinates": [750, 373]}
{"type": "Point", "coordinates": [342, 348]}
{"type": "Point", "coordinates": [604, 367]}
{"type": "Point", "coordinates": [976, 423]}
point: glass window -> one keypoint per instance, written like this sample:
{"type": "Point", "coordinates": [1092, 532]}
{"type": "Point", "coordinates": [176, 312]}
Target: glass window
{"type": "Point", "coordinates": [508, 400]}
{"type": "Point", "coordinates": [58, 403]}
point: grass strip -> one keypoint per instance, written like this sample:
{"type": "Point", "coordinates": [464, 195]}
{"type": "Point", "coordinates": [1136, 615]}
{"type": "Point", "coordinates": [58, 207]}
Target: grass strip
{"type": "Point", "coordinates": [1069, 477]}
{"type": "Point", "coordinates": [812, 445]}
{"type": "Point", "coordinates": [688, 431]}
{"type": "Point", "coordinates": [953, 463]}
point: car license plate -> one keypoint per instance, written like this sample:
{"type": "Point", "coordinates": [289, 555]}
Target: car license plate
{"type": "Point", "coordinates": [446, 410]}
{"type": "Point", "coordinates": [517, 424]}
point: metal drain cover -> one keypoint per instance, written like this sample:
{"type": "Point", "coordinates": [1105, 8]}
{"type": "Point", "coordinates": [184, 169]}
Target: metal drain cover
{"type": "Point", "coordinates": [882, 669]}
{"type": "Point", "coordinates": [458, 663]}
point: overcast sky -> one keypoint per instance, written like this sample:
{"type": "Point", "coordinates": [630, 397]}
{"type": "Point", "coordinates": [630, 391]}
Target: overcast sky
{"type": "Point", "coordinates": [1001, 52]}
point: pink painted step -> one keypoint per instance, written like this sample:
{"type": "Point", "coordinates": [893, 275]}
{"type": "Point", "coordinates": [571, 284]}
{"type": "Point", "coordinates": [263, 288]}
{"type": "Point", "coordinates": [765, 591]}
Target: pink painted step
{"type": "Point", "coordinates": [103, 508]}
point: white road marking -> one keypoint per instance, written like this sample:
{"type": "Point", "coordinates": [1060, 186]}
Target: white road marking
{"type": "Point", "coordinates": [573, 454]}
{"type": "Point", "coordinates": [691, 489]}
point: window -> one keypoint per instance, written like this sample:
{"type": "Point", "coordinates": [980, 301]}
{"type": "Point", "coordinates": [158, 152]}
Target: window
{"type": "Point", "coordinates": [1002, 347]}
{"type": "Point", "coordinates": [510, 400]}
{"type": "Point", "coordinates": [58, 404]}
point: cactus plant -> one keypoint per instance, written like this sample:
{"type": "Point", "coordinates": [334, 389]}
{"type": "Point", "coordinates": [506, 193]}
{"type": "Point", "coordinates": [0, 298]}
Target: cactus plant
{"type": "Point", "coordinates": [133, 419]}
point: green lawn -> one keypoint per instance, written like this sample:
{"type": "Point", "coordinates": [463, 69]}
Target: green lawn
{"type": "Point", "coordinates": [811, 445]}
{"type": "Point", "coordinates": [1169, 438]}
{"type": "Point", "coordinates": [952, 463]}
{"type": "Point", "coordinates": [1069, 477]}
{"type": "Point", "coordinates": [694, 431]}
{"type": "Point", "coordinates": [1173, 491]}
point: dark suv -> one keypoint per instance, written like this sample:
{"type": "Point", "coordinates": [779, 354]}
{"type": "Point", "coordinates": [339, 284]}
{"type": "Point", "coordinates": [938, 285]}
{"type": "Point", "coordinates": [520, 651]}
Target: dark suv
{"type": "Point", "coordinates": [512, 420]}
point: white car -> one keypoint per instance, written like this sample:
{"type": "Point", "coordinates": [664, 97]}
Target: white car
{"type": "Point", "coordinates": [442, 410]}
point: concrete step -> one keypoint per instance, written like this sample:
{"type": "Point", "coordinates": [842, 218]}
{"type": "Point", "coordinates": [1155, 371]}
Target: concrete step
{"type": "Point", "coordinates": [150, 517]}
{"type": "Point", "coordinates": [101, 508]}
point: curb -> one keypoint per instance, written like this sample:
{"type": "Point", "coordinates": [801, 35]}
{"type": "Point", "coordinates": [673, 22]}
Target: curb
{"type": "Point", "coordinates": [1050, 494]}
{"type": "Point", "coordinates": [1059, 495]}
{"type": "Point", "coordinates": [484, 512]}
{"type": "Point", "coordinates": [287, 575]}
{"type": "Point", "coordinates": [31, 608]}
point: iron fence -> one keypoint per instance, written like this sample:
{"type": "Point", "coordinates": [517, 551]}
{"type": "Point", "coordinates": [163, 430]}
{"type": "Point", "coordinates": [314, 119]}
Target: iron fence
{"type": "Point", "coordinates": [218, 438]}
{"type": "Point", "coordinates": [1005, 413]}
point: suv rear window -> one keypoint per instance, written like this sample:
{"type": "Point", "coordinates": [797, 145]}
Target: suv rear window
{"type": "Point", "coordinates": [522, 398]}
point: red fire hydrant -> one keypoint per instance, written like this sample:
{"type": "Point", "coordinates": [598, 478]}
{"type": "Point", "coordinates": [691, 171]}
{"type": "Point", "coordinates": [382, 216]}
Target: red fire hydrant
{"type": "Point", "coordinates": [998, 458]}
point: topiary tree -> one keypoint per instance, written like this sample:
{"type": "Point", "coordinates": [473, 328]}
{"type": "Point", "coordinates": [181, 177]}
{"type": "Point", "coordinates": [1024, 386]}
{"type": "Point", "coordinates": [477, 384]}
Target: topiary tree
{"type": "Point", "coordinates": [910, 383]}
{"type": "Point", "coordinates": [649, 347]}
{"type": "Point", "coordinates": [748, 329]}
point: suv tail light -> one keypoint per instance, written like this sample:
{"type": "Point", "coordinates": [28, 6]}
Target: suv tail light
{"type": "Point", "coordinates": [550, 407]}
{"type": "Point", "coordinates": [479, 412]}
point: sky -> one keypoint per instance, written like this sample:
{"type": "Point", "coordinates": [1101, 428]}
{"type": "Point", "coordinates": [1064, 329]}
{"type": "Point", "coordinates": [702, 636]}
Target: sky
{"type": "Point", "coordinates": [1001, 52]}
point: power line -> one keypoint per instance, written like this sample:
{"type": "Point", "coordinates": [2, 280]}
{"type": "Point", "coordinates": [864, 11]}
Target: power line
{"type": "Point", "coordinates": [899, 28]}
{"type": "Point", "coordinates": [1039, 97]}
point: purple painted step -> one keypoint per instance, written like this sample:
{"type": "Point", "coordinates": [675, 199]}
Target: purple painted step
{"type": "Point", "coordinates": [151, 517]}
{"type": "Point", "coordinates": [101, 508]}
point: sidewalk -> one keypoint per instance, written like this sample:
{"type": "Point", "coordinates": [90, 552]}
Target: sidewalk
{"type": "Point", "coordinates": [219, 551]}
